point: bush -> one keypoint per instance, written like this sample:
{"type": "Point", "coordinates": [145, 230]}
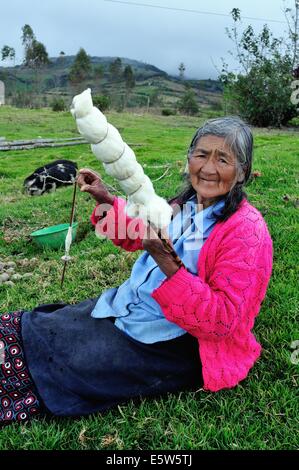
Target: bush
{"type": "Point", "coordinates": [262, 97]}
{"type": "Point", "coordinates": [294, 122]}
{"type": "Point", "coordinates": [21, 99]}
{"type": "Point", "coordinates": [101, 102]}
{"type": "Point", "coordinates": [168, 112]}
{"type": "Point", "coordinates": [261, 91]}
{"type": "Point", "coordinates": [58, 104]}
{"type": "Point", "coordinates": [188, 104]}
{"type": "Point", "coordinates": [216, 106]}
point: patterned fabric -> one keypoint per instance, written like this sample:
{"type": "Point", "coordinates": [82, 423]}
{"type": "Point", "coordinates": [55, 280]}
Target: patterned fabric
{"type": "Point", "coordinates": [220, 303]}
{"type": "Point", "coordinates": [18, 399]}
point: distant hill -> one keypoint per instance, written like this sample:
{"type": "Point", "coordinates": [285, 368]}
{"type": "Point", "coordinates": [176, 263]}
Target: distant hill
{"type": "Point", "coordinates": [152, 84]}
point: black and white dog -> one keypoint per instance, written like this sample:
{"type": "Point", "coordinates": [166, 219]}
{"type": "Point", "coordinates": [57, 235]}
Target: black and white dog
{"type": "Point", "coordinates": [49, 177]}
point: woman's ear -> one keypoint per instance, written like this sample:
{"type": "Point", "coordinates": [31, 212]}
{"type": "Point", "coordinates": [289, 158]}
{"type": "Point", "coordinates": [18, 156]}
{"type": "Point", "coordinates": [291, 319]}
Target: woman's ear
{"type": "Point", "coordinates": [186, 171]}
{"type": "Point", "coordinates": [240, 176]}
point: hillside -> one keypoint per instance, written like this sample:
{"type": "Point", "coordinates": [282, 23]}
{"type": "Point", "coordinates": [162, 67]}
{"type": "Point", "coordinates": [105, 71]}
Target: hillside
{"type": "Point", "coordinates": [153, 85]}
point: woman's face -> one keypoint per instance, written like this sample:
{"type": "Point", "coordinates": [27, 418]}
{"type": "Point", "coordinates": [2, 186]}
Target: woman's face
{"type": "Point", "coordinates": [212, 168]}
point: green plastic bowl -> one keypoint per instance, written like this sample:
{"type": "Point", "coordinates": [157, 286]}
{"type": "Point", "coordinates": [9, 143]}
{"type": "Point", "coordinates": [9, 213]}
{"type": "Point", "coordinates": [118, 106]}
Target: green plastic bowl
{"type": "Point", "coordinates": [53, 237]}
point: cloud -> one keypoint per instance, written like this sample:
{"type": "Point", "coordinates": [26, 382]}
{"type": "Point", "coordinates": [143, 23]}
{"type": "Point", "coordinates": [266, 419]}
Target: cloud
{"type": "Point", "coordinates": [161, 37]}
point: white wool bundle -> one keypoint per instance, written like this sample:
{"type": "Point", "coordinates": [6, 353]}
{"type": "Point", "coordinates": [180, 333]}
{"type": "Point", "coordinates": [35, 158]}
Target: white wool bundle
{"type": "Point", "coordinates": [152, 212]}
{"type": "Point", "coordinates": [133, 183]}
{"type": "Point", "coordinates": [120, 162]}
{"type": "Point", "coordinates": [145, 193]}
{"type": "Point", "coordinates": [111, 147]}
{"type": "Point", "coordinates": [124, 166]}
{"type": "Point", "coordinates": [82, 104]}
{"type": "Point", "coordinates": [91, 123]}
{"type": "Point", "coordinates": [88, 128]}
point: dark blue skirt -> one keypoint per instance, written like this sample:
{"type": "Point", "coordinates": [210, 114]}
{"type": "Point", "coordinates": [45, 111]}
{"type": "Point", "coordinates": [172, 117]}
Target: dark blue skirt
{"type": "Point", "coordinates": [80, 365]}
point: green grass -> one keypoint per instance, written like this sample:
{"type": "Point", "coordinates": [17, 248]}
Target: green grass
{"type": "Point", "coordinates": [262, 412]}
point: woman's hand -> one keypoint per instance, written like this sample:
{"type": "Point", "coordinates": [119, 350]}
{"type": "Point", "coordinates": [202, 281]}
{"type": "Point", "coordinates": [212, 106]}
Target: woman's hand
{"type": "Point", "coordinates": [155, 247]}
{"type": "Point", "coordinates": [90, 181]}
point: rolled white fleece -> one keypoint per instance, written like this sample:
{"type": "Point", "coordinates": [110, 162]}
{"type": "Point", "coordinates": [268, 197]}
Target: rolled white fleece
{"type": "Point", "coordinates": [119, 161]}
{"type": "Point", "coordinates": [124, 166]}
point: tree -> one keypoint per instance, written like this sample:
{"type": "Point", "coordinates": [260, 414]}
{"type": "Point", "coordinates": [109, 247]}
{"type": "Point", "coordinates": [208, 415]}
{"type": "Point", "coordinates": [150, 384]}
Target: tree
{"type": "Point", "coordinates": [98, 72]}
{"type": "Point", "coordinates": [129, 78]}
{"type": "Point", "coordinates": [115, 69]}
{"type": "Point", "coordinates": [35, 57]}
{"type": "Point", "coordinates": [61, 57]}
{"type": "Point", "coordinates": [182, 70]}
{"type": "Point", "coordinates": [292, 18]}
{"type": "Point", "coordinates": [27, 36]}
{"type": "Point", "coordinates": [35, 53]}
{"type": "Point", "coordinates": [81, 67]}
{"type": "Point", "coordinates": [260, 90]}
{"type": "Point", "coordinates": [188, 103]}
{"type": "Point", "coordinates": [8, 52]}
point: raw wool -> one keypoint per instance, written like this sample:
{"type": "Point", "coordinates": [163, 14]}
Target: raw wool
{"type": "Point", "coordinates": [131, 184]}
{"type": "Point", "coordinates": [111, 146]}
{"type": "Point", "coordinates": [125, 166]}
{"type": "Point", "coordinates": [120, 162]}
{"type": "Point", "coordinates": [88, 128]}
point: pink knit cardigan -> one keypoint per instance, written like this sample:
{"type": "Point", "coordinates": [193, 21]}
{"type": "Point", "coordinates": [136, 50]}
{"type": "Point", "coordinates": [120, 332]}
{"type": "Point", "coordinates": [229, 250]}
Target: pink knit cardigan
{"type": "Point", "coordinates": [219, 305]}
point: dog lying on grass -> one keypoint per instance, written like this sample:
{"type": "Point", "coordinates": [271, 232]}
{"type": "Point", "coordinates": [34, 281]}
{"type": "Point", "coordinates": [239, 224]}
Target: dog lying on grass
{"type": "Point", "coordinates": [50, 176]}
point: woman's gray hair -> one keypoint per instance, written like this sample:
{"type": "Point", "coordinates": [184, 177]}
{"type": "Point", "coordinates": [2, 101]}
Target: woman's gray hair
{"type": "Point", "coordinates": [237, 136]}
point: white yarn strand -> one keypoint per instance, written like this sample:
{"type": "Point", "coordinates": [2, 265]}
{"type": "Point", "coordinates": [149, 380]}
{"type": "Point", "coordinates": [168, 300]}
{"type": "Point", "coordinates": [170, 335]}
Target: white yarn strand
{"type": "Point", "coordinates": [68, 242]}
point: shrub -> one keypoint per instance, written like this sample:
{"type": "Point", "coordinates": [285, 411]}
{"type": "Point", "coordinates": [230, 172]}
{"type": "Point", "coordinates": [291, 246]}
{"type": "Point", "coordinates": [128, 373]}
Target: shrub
{"type": "Point", "coordinates": [58, 104]}
{"type": "Point", "coordinates": [262, 97]}
{"type": "Point", "coordinates": [188, 104]}
{"type": "Point", "coordinates": [101, 102]}
{"type": "Point", "coordinates": [168, 112]}
{"type": "Point", "coordinates": [261, 91]}
{"type": "Point", "coordinates": [216, 106]}
{"type": "Point", "coordinates": [22, 100]}
{"type": "Point", "coordinates": [294, 122]}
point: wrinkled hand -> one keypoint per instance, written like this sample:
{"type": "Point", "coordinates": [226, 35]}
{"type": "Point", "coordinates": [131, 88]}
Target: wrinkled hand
{"type": "Point", "coordinates": [151, 241]}
{"type": "Point", "coordinates": [91, 182]}
{"type": "Point", "coordinates": [155, 247]}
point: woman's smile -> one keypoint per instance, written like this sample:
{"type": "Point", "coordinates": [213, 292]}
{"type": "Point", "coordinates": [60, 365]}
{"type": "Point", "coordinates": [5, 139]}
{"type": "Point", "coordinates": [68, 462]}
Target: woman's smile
{"type": "Point", "coordinates": [212, 169]}
{"type": "Point", "coordinates": [205, 180]}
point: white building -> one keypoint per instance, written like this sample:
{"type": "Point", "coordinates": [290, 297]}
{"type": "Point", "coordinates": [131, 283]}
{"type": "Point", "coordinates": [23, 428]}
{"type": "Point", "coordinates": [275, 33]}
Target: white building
{"type": "Point", "coordinates": [2, 93]}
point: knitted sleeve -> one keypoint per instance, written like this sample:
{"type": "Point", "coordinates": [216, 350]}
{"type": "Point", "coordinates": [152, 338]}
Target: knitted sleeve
{"type": "Point", "coordinates": [114, 224]}
{"type": "Point", "coordinates": [235, 285]}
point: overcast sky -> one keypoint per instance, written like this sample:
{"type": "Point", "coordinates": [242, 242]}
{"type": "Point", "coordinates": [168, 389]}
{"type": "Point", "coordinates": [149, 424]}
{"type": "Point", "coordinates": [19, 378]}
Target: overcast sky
{"type": "Point", "coordinates": [153, 35]}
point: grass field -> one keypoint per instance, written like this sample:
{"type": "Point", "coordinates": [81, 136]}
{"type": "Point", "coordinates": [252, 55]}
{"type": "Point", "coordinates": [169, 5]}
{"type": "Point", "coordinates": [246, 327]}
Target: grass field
{"type": "Point", "coordinates": [263, 411]}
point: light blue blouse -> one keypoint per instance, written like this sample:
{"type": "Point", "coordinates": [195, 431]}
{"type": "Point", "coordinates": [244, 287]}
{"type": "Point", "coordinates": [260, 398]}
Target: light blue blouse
{"type": "Point", "coordinates": [138, 314]}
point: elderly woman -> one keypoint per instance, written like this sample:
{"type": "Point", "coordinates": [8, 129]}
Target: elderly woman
{"type": "Point", "coordinates": [178, 323]}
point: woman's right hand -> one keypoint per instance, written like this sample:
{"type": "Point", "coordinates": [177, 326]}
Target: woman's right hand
{"type": "Point", "coordinates": [91, 182]}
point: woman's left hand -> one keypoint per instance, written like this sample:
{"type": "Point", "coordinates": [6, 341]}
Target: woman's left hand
{"type": "Point", "coordinates": [155, 247]}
